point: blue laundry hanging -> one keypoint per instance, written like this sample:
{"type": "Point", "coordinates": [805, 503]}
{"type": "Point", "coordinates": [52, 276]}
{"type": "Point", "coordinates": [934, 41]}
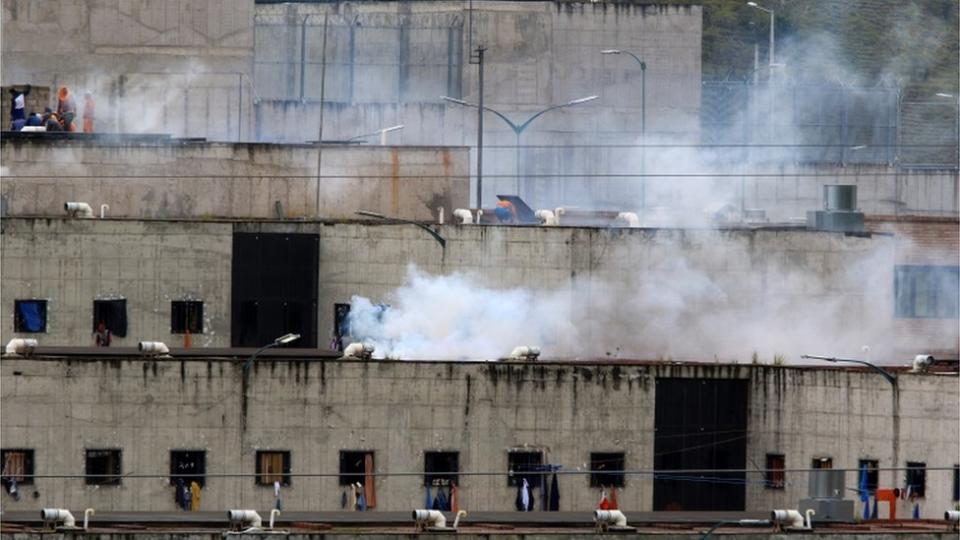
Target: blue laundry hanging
{"type": "Point", "coordinates": [428, 503]}
{"type": "Point", "coordinates": [31, 316]}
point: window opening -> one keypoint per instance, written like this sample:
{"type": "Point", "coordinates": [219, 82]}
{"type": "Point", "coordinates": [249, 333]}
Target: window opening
{"type": "Point", "coordinates": [604, 462]}
{"type": "Point", "coordinates": [113, 315]}
{"type": "Point", "coordinates": [522, 465]}
{"type": "Point", "coordinates": [927, 291]}
{"type": "Point", "coordinates": [30, 316]}
{"type": "Point", "coordinates": [916, 479]}
{"type": "Point", "coordinates": [273, 466]}
{"type": "Point", "coordinates": [871, 468]}
{"type": "Point", "coordinates": [775, 475]}
{"type": "Point", "coordinates": [822, 463]}
{"type": "Point", "coordinates": [354, 465]}
{"type": "Point", "coordinates": [186, 316]}
{"type": "Point", "coordinates": [103, 467]}
{"type": "Point", "coordinates": [441, 468]}
{"type": "Point", "coordinates": [17, 465]}
{"type": "Point", "coordinates": [184, 464]}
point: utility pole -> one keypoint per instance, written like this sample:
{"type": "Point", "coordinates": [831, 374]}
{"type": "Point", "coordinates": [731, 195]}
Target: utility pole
{"type": "Point", "coordinates": [477, 58]}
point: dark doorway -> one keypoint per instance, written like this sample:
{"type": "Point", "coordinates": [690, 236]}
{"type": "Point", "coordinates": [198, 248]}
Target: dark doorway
{"type": "Point", "coordinates": [700, 424]}
{"type": "Point", "coordinates": [274, 288]}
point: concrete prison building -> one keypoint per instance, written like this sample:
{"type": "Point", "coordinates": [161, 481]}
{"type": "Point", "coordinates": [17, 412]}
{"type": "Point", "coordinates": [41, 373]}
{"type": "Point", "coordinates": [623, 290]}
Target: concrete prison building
{"type": "Point", "coordinates": [114, 431]}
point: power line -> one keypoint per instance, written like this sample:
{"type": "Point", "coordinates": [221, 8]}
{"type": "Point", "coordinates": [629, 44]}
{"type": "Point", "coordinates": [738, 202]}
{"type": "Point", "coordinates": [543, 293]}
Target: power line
{"type": "Point", "coordinates": [773, 175]}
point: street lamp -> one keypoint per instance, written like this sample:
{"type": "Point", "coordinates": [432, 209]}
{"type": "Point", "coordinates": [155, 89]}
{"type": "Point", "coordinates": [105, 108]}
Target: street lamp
{"type": "Point", "coordinates": [518, 129]}
{"type": "Point", "coordinates": [643, 86]}
{"type": "Point", "coordinates": [382, 132]}
{"type": "Point", "coordinates": [770, 55]}
{"type": "Point", "coordinates": [282, 340]}
{"type": "Point", "coordinates": [436, 236]}
{"type": "Point", "coordinates": [892, 379]}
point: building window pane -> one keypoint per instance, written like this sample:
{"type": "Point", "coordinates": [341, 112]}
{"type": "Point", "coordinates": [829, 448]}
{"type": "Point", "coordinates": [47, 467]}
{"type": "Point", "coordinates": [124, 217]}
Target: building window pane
{"type": "Point", "coordinates": [273, 466]}
{"type": "Point", "coordinates": [916, 478]}
{"type": "Point", "coordinates": [103, 467]}
{"type": "Point", "coordinates": [113, 314]}
{"type": "Point", "coordinates": [186, 464]}
{"type": "Point", "coordinates": [30, 316]}
{"type": "Point", "coordinates": [607, 469]}
{"type": "Point", "coordinates": [186, 316]}
{"type": "Point", "coordinates": [775, 477]}
{"type": "Point", "coordinates": [956, 482]}
{"type": "Point", "coordinates": [17, 465]}
{"type": "Point", "coordinates": [440, 468]}
{"type": "Point", "coordinates": [523, 464]}
{"type": "Point", "coordinates": [927, 292]}
{"type": "Point", "coordinates": [354, 466]}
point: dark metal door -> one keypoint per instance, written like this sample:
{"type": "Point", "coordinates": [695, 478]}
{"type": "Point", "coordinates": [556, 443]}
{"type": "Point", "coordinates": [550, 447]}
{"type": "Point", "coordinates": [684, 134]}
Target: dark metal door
{"type": "Point", "coordinates": [700, 424]}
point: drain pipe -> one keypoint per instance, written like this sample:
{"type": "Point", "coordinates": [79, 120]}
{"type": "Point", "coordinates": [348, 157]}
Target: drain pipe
{"type": "Point", "coordinates": [464, 215]}
{"type": "Point", "coordinates": [103, 210]}
{"type": "Point", "coordinates": [456, 520]}
{"type": "Point", "coordinates": [52, 516]}
{"type": "Point", "coordinates": [788, 519]}
{"type": "Point", "coordinates": [429, 518]}
{"type": "Point", "coordinates": [86, 517]}
{"type": "Point", "coordinates": [273, 513]}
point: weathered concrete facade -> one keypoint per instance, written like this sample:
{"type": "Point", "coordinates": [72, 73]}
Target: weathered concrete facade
{"type": "Point", "coordinates": [800, 285]}
{"type": "Point", "coordinates": [198, 179]}
{"type": "Point", "coordinates": [148, 407]}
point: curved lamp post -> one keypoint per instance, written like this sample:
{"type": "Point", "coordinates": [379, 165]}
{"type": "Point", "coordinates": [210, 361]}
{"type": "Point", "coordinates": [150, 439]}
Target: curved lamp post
{"type": "Point", "coordinates": [643, 85]}
{"type": "Point", "coordinates": [282, 340]}
{"type": "Point", "coordinates": [518, 128]}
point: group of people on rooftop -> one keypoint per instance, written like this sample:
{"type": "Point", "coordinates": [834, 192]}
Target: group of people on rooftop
{"type": "Point", "coordinates": [61, 120]}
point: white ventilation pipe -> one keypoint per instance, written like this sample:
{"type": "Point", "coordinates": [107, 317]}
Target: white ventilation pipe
{"type": "Point", "coordinates": [464, 215]}
{"type": "Point", "coordinates": [152, 347]}
{"type": "Point", "coordinates": [273, 513]}
{"type": "Point", "coordinates": [609, 518]}
{"type": "Point", "coordinates": [21, 346]}
{"type": "Point", "coordinates": [362, 351]}
{"type": "Point", "coordinates": [546, 218]}
{"type": "Point", "coordinates": [440, 214]}
{"type": "Point", "coordinates": [86, 517]}
{"type": "Point", "coordinates": [952, 515]}
{"type": "Point", "coordinates": [103, 210]}
{"type": "Point", "coordinates": [244, 517]}
{"type": "Point", "coordinates": [525, 352]}
{"type": "Point", "coordinates": [810, 512]}
{"type": "Point", "coordinates": [78, 209]}
{"type": "Point", "coordinates": [790, 519]}
{"type": "Point", "coordinates": [456, 520]}
{"type": "Point", "coordinates": [630, 218]}
{"type": "Point", "coordinates": [429, 518]}
{"type": "Point", "coordinates": [57, 515]}
{"type": "Point", "coordinates": [559, 213]}
{"type": "Point", "coordinates": [922, 362]}
{"type": "Point", "coordinates": [479, 214]}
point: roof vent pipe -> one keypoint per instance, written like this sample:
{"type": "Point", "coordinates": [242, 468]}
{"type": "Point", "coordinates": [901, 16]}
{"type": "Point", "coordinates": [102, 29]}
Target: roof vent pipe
{"type": "Point", "coordinates": [52, 516]}
{"type": "Point", "coordinates": [788, 519]}
{"type": "Point", "coordinates": [152, 348]}
{"type": "Point", "coordinates": [240, 518]}
{"type": "Point", "coordinates": [607, 520]}
{"type": "Point", "coordinates": [464, 215]}
{"type": "Point", "coordinates": [525, 352]}
{"type": "Point", "coordinates": [103, 210]}
{"type": "Point", "coordinates": [21, 346]}
{"type": "Point", "coordinates": [429, 518]}
{"type": "Point", "coordinates": [86, 517]}
{"type": "Point", "coordinates": [273, 513]}
{"type": "Point", "coordinates": [546, 217]}
{"type": "Point", "coordinates": [78, 209]}
{"type": "Point", "coordinates": [361, 351]}
{"type": "Point", "coordinates": [630, 218]}
{"type": "Point", "coordinates": [840, 198]}
{"type": "Point", "coordinates": [921, 363]}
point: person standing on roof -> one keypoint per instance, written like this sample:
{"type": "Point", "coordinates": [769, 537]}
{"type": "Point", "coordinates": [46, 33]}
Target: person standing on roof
{"type": "Point", "coordinates": [18, 111]}
{"type": "Point", "coordinates": [506, 212]}
{"type": "Point", "coordinates": [66, 108]}
{"type": "Point", "coordinates": [88, 108]}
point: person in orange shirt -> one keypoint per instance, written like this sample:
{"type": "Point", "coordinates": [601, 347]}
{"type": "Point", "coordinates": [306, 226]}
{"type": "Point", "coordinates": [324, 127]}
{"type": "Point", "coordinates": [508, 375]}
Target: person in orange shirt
{"type": "Point", "coordinates": [66, 109]}
{"type": "Point", "coordinates": [88, 108]}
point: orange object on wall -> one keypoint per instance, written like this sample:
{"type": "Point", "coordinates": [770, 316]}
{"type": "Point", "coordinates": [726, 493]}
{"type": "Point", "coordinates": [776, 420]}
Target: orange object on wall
{"type": "Point", "coordinates": [890, 496]}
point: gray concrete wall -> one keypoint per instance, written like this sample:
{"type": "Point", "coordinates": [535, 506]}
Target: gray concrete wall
{"type": "Point", "coordinates": [59, 407]}
{"type": "Point", "coordinates": [388, 63]}
{"type": "Point", "coordinates": [799, 285]}
{"type": "Point", "coordinates": [191, 179]}
{"type": "Point", "coordinates": [152, 66]}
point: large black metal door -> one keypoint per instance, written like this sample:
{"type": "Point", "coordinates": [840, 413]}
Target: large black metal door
{"type": "Point", "coordinates": [274, 288]}
{"type": "Point", "coordinates": [700, 424]}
